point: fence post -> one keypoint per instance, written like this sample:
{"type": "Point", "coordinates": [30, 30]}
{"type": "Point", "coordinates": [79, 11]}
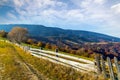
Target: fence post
{"type": "Point", "coordinates": [117, 67]}
{"type": "Point", "coordinates": [103, 67]}
{"type": "Point", "coordinates": [112, 77]}
{"type": "Point", "coordinates": [97, 60]}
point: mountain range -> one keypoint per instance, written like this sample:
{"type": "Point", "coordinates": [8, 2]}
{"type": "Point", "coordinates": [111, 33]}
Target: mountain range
{"type": "Point", "coordinates": [53, 34]}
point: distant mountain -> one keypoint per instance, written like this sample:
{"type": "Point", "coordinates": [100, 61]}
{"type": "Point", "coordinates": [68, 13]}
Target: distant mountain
{"type": "Point", "coordinates": [52, 34]}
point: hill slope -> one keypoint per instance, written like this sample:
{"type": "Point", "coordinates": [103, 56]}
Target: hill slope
{"type": "Point", "coordinates": [52, 34]}
{"type": "Point", "coordinates": [15, 64]}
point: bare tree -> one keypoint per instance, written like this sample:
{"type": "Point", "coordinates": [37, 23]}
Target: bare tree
{"type": "Point", "coordinates": [18, 34]}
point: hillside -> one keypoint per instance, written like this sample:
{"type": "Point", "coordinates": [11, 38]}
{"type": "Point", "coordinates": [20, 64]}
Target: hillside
{"type": "Point", "coordinates": [53, 35]}
{"type": "Point", "coordinates": [15, 64]}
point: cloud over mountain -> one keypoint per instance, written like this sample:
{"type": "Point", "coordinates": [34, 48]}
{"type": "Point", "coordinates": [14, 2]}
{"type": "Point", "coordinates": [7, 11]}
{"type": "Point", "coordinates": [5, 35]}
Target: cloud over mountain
{"type": "Point", "coordinates": [93, 15]}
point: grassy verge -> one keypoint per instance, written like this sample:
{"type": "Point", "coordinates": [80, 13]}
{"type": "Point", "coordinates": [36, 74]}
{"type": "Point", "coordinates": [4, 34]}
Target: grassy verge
{"type": "Point", "coordinates": [11, 67]}
{"type": "Point", "coordinates": [32, 46]}
{"type": "Point", "coordinates": [91, 59]}
{"type": "Point", "coordinates": [55, 71]}
{"type": "Point", "coordinates": [15, 64]}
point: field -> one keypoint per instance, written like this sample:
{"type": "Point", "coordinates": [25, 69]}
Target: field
{"type": "Point", "coordinates": [15, 64]}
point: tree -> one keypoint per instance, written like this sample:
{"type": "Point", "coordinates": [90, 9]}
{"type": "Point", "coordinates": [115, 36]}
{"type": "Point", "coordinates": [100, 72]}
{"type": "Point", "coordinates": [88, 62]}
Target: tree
{"type": "Point", "coordinates": [40, 44]}
{"type": "Point", "coordinates": [53, 47]}
{"type": "Point", "coordinates": [3, 33]}
{"type": "Point", "coordinates": [30, 41]}
{"type": "Point", "coordinates": [18, 34]}
{"type": "Point", "coordinates": [48, 46]}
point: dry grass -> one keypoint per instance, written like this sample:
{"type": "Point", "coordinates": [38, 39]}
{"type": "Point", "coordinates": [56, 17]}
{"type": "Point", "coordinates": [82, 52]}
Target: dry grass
{"type": "Point", "coordinates": [11, 66]}
{"type": "Point", "coordinates": [15, 64]}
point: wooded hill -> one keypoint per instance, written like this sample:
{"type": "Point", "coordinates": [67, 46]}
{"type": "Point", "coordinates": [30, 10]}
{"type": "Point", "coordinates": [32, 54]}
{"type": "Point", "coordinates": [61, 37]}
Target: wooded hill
{"type": "Point", "coordinates": [52, 34]}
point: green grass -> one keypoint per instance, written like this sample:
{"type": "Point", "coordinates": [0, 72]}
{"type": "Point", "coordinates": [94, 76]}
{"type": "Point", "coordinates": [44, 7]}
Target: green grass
{"type": "Point", "coordinates": [1, 38]}
{"type": "Point", "coordinates": [91, 59]}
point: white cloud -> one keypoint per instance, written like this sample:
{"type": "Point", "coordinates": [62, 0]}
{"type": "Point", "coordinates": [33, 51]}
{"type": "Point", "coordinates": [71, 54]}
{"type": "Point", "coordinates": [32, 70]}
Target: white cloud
{"type": "Point", "coordinates": [99, 1]}
{"type": "Point", "coordinates": [99, 13]}
{"type": "Point", "coordinates": [11, 16]}
{"type": "Point", "coordinates": [2, 2]}
{"type": "Point", "coordinates": [37, 11]}
{"type": "Point", "coordinates": [18, 3]}
{"type": "Point", "coordinates": [75, 14]}
{"type": "Point", "coordinates": [116, 8]}
{"type": "Point", "coordinates": [35, 7]}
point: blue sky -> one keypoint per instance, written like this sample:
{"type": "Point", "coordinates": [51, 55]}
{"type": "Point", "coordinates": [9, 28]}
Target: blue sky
{"type": "Point", "coordinates": [101, 16]}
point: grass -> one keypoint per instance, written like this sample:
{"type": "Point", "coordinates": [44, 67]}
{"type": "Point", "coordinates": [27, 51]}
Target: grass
{"type": "Point", "coordinates": [15, 64]}
{"type": "Point", "coordinates": [1, 38]}
{"type": "Point", "coordinates": [11, 69]}
{"type": "Point", "coordinates": [91, 59]}
{"type": "Point", "coordinates": [32, 46]}
{"type": "Point", "coordinates": [56, 71]}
